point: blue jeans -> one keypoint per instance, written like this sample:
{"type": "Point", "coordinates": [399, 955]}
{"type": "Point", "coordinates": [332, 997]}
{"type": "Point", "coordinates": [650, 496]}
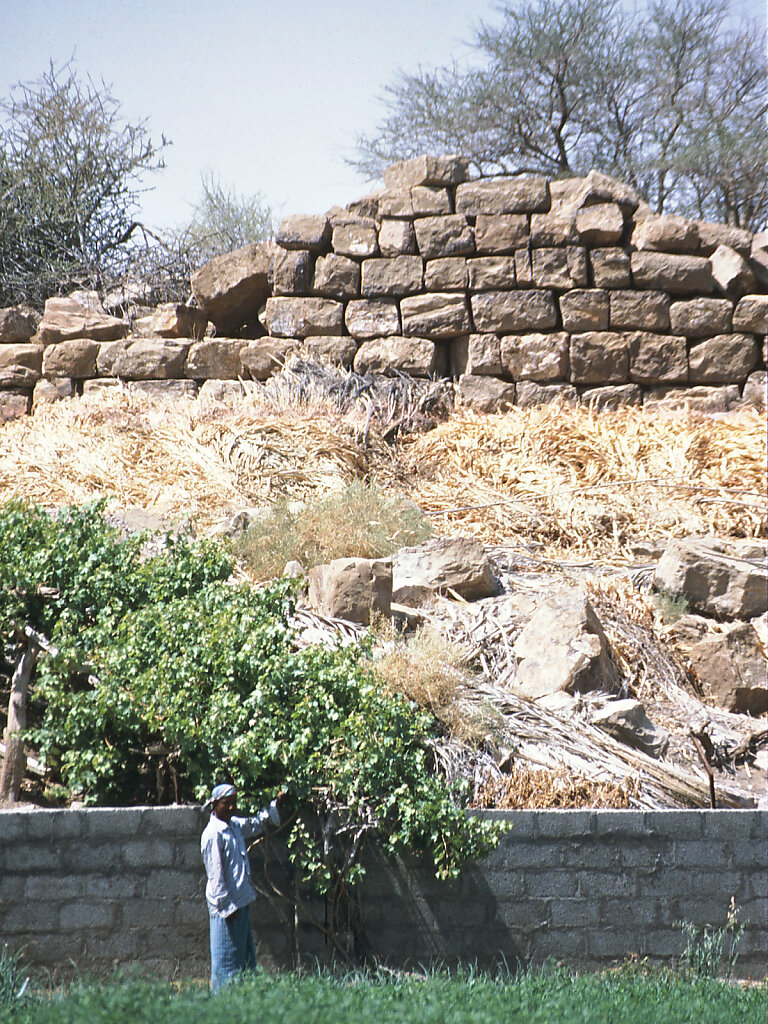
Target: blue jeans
{"type": "Point", "coordinates": [232, 948]}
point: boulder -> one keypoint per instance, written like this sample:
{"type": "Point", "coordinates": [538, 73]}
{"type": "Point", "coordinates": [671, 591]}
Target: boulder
{"type": "Point", "coordinates": [598, 188]}
{"type": "Point", "coordinates": [144, 359]}
{"type": "Point", "coordinates": [487, 272]}
{"type": "Point", "coordinates": [701, 318]}
{"type": "Point", "coordinates": [71, 359]}
{"type": "Point", "coordinates": [751, 314]}
{"type": "Point", "coordinates": [392, 276]}
{"type": "Point", "coordinates": [233, 287]}
{"type": "Point", "coordinates": [528, 393]}
{"type": "Point", "coordinates": [584, 309]}
{"type": "Point", "coordinates": [476, 354]}
{"type": "Point", "coordinates": [372, 318]}
{"type": "Point", "coordinates": [657, 359]}
{"type": "Point", "coordinates": [302, 231]}
{"type": "Point", "coordinates": [628, 722]}
{"type": "Point", "coordinates": [539, 357]}
{"type": "Point", "coordinates": [500, 233]}
{"type": "Point", "coordinates": [262, 357]}
{"type": "Point", "coordinates": [484, 394]}
{"type": "Point", "coordinates": [560, 268]}
{"type": "Point", "coordinates": [171, 320]}
{"type": "Point", "coordinates": [355, 240]}
{"type": "Point", "coordinates": [523, 310]}
{"type": "Point", "coordinates": [351, 588]}
{"type": "Point", "coordinates": [731, 272]}
{"type": "Point", "coordinates": [435, 315]}
{"type": "Point", "coordinates": [645, 311]}
{"type": "Point", "coordinates": [503, 196]}
{"type": "Point", "coordinates": [48, 391]}
{"type": "Point", "coordinates": [440, 566]}
{"type": "Point", "coordinates": [563, 648]}
{"type": "Point", "coordinates": [601, 224]}
{"type": "Point", "coordinates": [217, 358]}
{"type": "Point", "coordinates": [414, 356]}
{"type": "Point", "coordinates": [336, 277]}
{"type": "Point", "coordinates": [713, 235]}
{"type": "Point", "coordinates": [659, 233]}
{"type": "Point", "coordinates": [300, 317]}
{"type": "Point", "coordinates": [610, 268]}
{"type": "Point", "coordinates": [335, 350]}
{"type": "Point", "coordinates": [733, 668]}
{"type": "Point", "coordinates": [599, 357]}
{"type": "Point", "coordinates": [396, 237]}
{"type": "Point", "coordinates": [612, 396]}
{"type": "Point", "coordinates": [755, 390]}
{"type": "Point", "coordinates": [290, 271]}
{"type": "Point", "coordinates": [713, 582]}
{"type": "Point", "coordinates": [447, 274]}
{"type": "Point", "coordinates": [427, 170]}
{"type": "Point", "coordinates": [17, 324]}
{"type": "Point", "coordinates": [722, 359]}
{"type": "Point", "coordinates": [671, 272]}
{"type": "Point", "coordinates": [449, 235]}
{"type": "Point", "coordinates": [14, 403]}
{"type": "Point", "coordinates": [65, 319]}
{"type": "Point", "coordinates": [428, 201]}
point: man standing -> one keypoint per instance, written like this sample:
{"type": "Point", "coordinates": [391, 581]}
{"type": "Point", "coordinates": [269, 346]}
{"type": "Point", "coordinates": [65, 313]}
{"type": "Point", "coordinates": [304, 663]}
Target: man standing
{"type": "Point", "coordinates": [229, 892]}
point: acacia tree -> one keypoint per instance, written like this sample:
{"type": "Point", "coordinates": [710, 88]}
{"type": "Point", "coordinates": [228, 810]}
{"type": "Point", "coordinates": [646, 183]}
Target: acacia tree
{"type": "Point", "coordinates": [671, 99]}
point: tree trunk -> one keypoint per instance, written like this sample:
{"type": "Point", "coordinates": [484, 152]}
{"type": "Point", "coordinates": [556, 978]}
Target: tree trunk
{"type": "Point", "coordinates": [14, 761]}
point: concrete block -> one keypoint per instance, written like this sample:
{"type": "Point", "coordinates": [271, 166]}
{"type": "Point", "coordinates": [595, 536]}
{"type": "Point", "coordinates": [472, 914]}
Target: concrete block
{"type": "Point", "coordinates": [555, 944]}
{"type": "Point", "coordinates": [172, 883]}
{"type": "Point", "coordinates": [34, 918]}
{"type": "Point", "coordinates": [523, 912]}
{"type": "Point", "coordinates": [662, 942]}
{"type": "Point", "coordinates": [645, 913]}
{"type": "Point", "coordinates": [675, 824]}
{"type": "Point", "coordinates": [564, 824]}
{"type": "Point", "coordinates": [576, 913]}
{"type": "Point", "coordinates": [193, 912]}
{"type": "Point", "coordinates": [550, 883]}
{"type": "Point", "coordinates": [731, 826]}
{"type": "Point", "coordinates": [614, 943]}
{"type": "Point", "coordinates": [522, 855]}
{"type": "Point", "coordinates": [13, 826]}
{"type": "Point", "coordinates": [145, 913]}
{"type": "Point", "coordinates": [29, 856]}
{"type": "Point", "coordinates": [620, 823]}
{"type": "Point", "coordinates": [604, 883]}
{"type": "Point", "coordinates": [148, 853]}
{"type": "Point", "coordinates": [112, 823]}
{"type": "Point", "coordinates": [104, 858]}
{"type": "Point", "coordinates": [58, 825]}
{"type": "Point", "coordinates": [174, 821]}
{"type": "Point", "coordinates": [87, 914]}
{"type": "Point", "coordinates": [705, 853]}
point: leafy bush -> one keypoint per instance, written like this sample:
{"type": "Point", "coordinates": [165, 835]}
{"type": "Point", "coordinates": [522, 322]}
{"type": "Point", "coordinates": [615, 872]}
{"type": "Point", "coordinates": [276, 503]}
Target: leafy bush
{"type": "Point", "coordinates": [358, 522]}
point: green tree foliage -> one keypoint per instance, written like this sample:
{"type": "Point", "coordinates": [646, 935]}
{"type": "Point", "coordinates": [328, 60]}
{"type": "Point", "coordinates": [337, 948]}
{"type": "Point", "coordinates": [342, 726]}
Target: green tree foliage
{"type": "Point", "coordinates": [70, 176]}
{"type": "Point", "coordinates": [162, 676]}
{"type": "Point", "coordinates": [672, 99]}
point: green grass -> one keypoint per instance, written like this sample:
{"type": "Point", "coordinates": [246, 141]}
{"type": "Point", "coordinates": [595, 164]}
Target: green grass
{"type": "Point", "coordinates": [556, 997]}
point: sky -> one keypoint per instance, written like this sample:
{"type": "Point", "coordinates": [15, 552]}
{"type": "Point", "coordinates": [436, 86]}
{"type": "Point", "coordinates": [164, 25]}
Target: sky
{"type": "Point", "coordinates": [268, 96]}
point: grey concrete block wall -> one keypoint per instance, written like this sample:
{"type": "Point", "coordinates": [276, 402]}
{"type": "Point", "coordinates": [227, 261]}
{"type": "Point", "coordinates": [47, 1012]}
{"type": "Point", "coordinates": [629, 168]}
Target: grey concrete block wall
{"type": "Point", "coordinates": [94, 889]}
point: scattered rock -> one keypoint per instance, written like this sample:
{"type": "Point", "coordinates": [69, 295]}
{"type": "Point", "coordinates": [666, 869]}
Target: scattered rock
{"type": "Point", "coordinates": [459, 565]}
{"type": "Point", "coordinates": [627, 721]}
{"type": "Point", "coordinates": [232, 288]}
{"type": "Point", "coordinates": [65, 319]}
{"type": "Point", "coordinates": [733, 667]}
{"type": "Point", "coordinates": [351, 588]}
{"type": "Point", "coordinates": [713, 582]}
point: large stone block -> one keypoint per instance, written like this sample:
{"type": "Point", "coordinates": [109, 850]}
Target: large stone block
{"type": "Point", "coordinates": [758, 257]}
{"type": "Point", "coordinates": [158, 390]}
{"type": "Point", "coordinates": [539, 357]}
{"type": "Point", "coordinates": [18, 377]}
{"type": "Point", "coordinates": [71, 359]}
{"type": "Point", "coordinates": [599, 188]}
{"type": "Point", "coordinates": [351, 588]}
{"type": "Point", "coordinates": [657, 359]}
{"type": "Point", "coordinates": [659, 233]}
{"type": "Point", "coordinates": [394, 203]}
{"type": "Point", "coordinates": [560, 268]}
{"type": "Point", "coordinates": [698, 318]}
{"type": "Point", "coordinates": [446, 274]}
{"type": "Point", "coordinates": [558, 227]}
{"type": "Point", "coordinates": [220, 392]}
{"type": "Point", "coordinates": [17, 324]}
{"type": "Point", "coordinates": [173, 320]}
{"type": "Point", "coordinates": [358, 239]}
{"type": "Point", "coordinates": [724, 359]}
{"type": "Point", "coordinates": [731, 272]}
{"type": "Point", "coordinates": [414, 356]}
{"type": "Point", "coordinates": [524, 310]}
{"type": "Point", "coordinates": [435, 315]}
{"type": "Point", "coordinates": [755, 390]}
{"type": "Point", "coordinates": [262, 357]}
{"type": "Point", "coordinates": [671, 272]}
{"type": "Point", "coordinates": [491, 272]}
{"type": "Point", "coordinates": [336, 350]}
{"type": "Point", "coordinates": [612, 396]}
{"type": "Point", "coordinates": [528, 393]}
{"type": "Point", "coordinates": [458, 564]}
{"type": "Point", "coordinates": [233, 287]}
{"type": "Point", "coordinates": [303, 231]}
{"type": "Point", "coordinates": [290, 271]}
{"type": "Point", "coordinates": [523, 268]}
{"type": "Point", "coordinates": [695, 399]}
{"type": "Point", "coordinates": [751, 314]}
{"type": "Point", "coordinates": [427, 170]}
{"type": "Point", "coordinates": [584, 309]}
{"type": "Point", "coordinates": [476, 355]}
{"type": "Point", "coordinates": [648, 311]}
{"type": "Point", "coordinates": [428, 201]}
{"type": "Point", "coordinates": [144, 359]}
{"type": "Point", "coordinates": [713, 235]}
{"type": "Point", "coordinates": [484, 394]}
{"type": "Point", "coordinates": [450, 235]}
{"type": "Point", "coordinates": [392, 276]}
{"type": "Point", "coordinates": [610, 268]}
{"type": "Point", "coordinates": [500, 233]}
{"type": "Point", "coordinates": [300, 317]}
{"type": "Point", "coordinates": [712, 579]}
{"type": "Point", "coordinates": [503, 195]}
{"type": "Point", "coordinates": [14, 403]}
{"type": "Point", "coordinates": [396, 237]}
{"type": "Point", "coordinates": [372, 318]}
{"type": "Point", "coordinates": [732, 667]}
{"type": "Point", "coordinates": [48, 391]}
{"type": "Point", "coordinates": [215, 358]}
{"type": "Point", "coordinates": [65, 319]}
{"type": "Point", "coordinates": [601, 224]}
{"type": "Point", "coordinates": [336, 277]}
{"type": "Point", "coordinates": [599, 357]}
{"type": "Point", "coordinates": [28, 355]}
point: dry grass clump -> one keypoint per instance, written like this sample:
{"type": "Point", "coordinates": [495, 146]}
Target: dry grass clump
{"type": "Point", "coordinates": [359, 521]}
{"type": "Point", "coordinates": [546, 788]}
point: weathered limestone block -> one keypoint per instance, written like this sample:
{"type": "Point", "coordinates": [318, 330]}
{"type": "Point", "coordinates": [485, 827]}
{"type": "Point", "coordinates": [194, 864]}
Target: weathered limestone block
{"type": "Point", "coordinates": [14, 403]}
{"type": "Point", "coordinates": [435, 315]}
{"type": "Point", "coordinates": [48, 391]}
{"type": "Point", "coordinates": [446, 275]}
{"type": "Point", "coordinates": [336, 277]}
{"type": "Point", "coordinates": [612, 396]}
{"type": "Point", "coordinates": [427, 170]}
{"type": "Point", "coordinates": [173, 320]}
{"type": "Point", "coordinates": [671, 272]}
{"type": "Point", "coordinates": [523, 268]}
{"type": "Point", "coordinates": [539, 357]}
{"type": "Point", "coordinates": [610, 268]}
{"type": "Point", "coordinates": [338, 351]}
{"type": "Point", "coordinates": [71, 359]}
{"type": "Point", "coordinates": [731, 272]}
{"type": "Point", "coordinates": [584, 309]}
{"type": "Point", "coordinates": [217, 358]}
{"type": "Point", "coordinates": [395, 204]}
{"type": "Point", "coordinates": [357, 240]}
{"type": "Point", "coordinates": [657, 359]}
{"type": "Point", "coordinates": [598, 188]}
{"type": "Point", "coordinates": [523, 310]}
{"type": "Point", "coordinates": [503, 195]}
{"type": "Point", "coordinates": [392, 276]}
{"type": "Point", "coordinates": [647, 311]}
{"type": "Point", "coordinates": [627, 721]}
{"type": "Point", "coordinates": [751, 314]}
{"type": "Point", "coordinates": [659, 233]}
{"type": "Point", "coordinates": [601, 224]}
{"type": "Point", "coordinates": [758, 257]}
{"type": "Point", "coordinates": [17, 324]}
{"type": "Point", "coordinates": [354, 589]}
{"type": "Point", "coordinates": [487, 272]}
{"type": "Point", "coordinates": [713, 581]}
{"type": "Point", "coordinates": [415, 356]}
{"type": "Point", "coordinates": [484, 394]}
{"type": "Point", "coordinates": [599, 357]}
{"type": "Point", "coordinates": [698, 318]}
{"type": "Point", "coordinates": [300, 317]}
{"type": "Point", "coordinates": [450, 235]}
{"type": "Point", "coordinates": [724, 359]}
{"type": "Point", "coordinates": [262, 357]}
{"type": "Point", "coordinates": [290, 271]}
{"type": "Point", "coordinates": [558, 227]}
{"type": "Point", "coordinates": [303, 231]}
{"type": "Point", "coordinates": [732, 667]}
{"type": "Point", "coordinates": [500, 233]}
{"type": "Point", "coordinates": [372, 318]}
{"type": "Point", "coordinates": [220, 392]}
{"type": "Point", "coordinates": [144, 359]}
{"type": "Point", "coordinates": [528, 393]}
{"type": "Point", "coordinates": [560, 268]}
{"type": "Point", "coordinates": [396, 237]}
{"type": "Point", "coordinates": [459, 564]}
{"type": "Point", "coordinates": [563, 648]}
{"type": "Point", "coordinates": [428, 201]}
{"type": "Point", "coordinates": [713, 235]}
{"type": "Point", "coordinates": [233, 287]}
{"type": "Point", "coordinates": [28, 355]}
{"type": "Point", "coordinates": [755, 390]}
{"type": "Point", "coordinates": [18, 377]}
{"type": "Point", "coordinates": [476, 355]}
{"type": "Point", "coordinates": [695, 399]}
{"type": "Point", "coordinates": [65, 319]}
